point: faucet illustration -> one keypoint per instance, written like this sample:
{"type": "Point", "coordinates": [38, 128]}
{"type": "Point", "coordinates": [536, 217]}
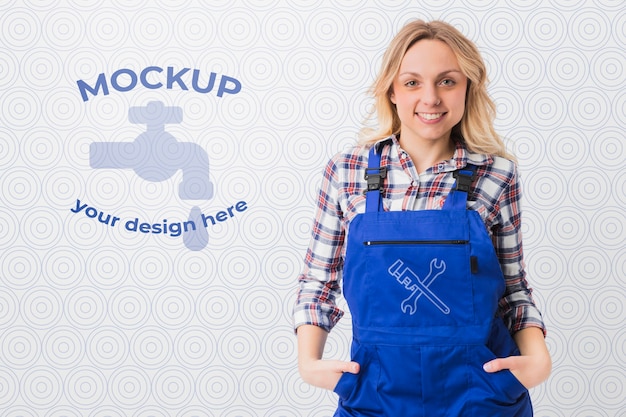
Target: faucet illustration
{"type": "Point", "coordinates": [155, 155]}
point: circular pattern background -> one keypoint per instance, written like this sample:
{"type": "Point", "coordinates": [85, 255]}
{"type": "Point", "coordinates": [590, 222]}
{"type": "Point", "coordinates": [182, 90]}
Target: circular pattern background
{"type": "Point", "coordinates": [610, 383]}
{"type": "Point", "coordinates": [239, 28]}
{"type": "Point", "coordinates": [547, 187]}
{"type": "Point", "coordinates": [217, 307]}
{"type": "Point", "coordinates": [195, 347]}
{"type": "Point", "coordinates": [64, 28]}
{"type": "Point", "coordinates": [324, 29]}
{"type": "Point", "coordinates": [590, 188]}
{"type": "Point", "coordinates": [502, 29]}
{"type": "Point", "coordinates": [198, 28]}
{"type": "Point", "coordinates": [261, 386]}
{"type": "Point", "coordinates": [129, 387]}
{"type": "Point", "coordinates": [42, 307]}
{"type": "Point", "coordinates": [85, 387]}
{"type": "Point", "coordinates": [546, 28]}
{"type": "Point", "coordinates": [217, 387]}
{"type": "Point", "coordinates": [607, 226]}
{"type": "Point", "coordinates": [567, 148]}
{"type": "Point", "coordinates": [20, 267]}
{"type": "Point", "coordinates": [79, 295]}
{"type": "Point", "coordinates": [151, 347]}
{"type": "Point", "coordinates": [545, 108]}
{"type": "Point", "coordinates": [567, 228]}
{"type": "Point", "coordinates": [570, 383]}
{"type": "Point", "coordinates": [607, 307]}
{"type": "Point", "coordinates": [20, 28]}
{"type": "Point", "coordinates": [152, 28]}
{"type": "Point", "coordinates": [85, 307]}
{"type": "Point", "coordinates": [607, 148]}
{"type": "Point", "coordinates": [568, 68]}
{"type": "Point", "coordinates": [305, 67]}
{"type": "Point", "coordinates": [129, 307]}
{"type": "Point", "coordinates": [523, 68]}
{"type": "Point", "coordinates": [109, 28]}
{"type": "Point", "coordinates": [590, 28]}
{"type": "Point", "coordinates": [173, 387]}
{"type": "Point", "coordinates": [9, 308]}
{"type": "Point", "coordinates": [41, 229]}
{"type": "Point", "coordinates": [590, 108]}
{"type": "Point", "coordinates": [172, 308]}
{"type": "Point", "coordinates": [590, 348]}
{"type": "Point", "coordinates": [41, 386]}
{"type": "Point", "coordinates": [238, 347]}
{"type": "Point", "coordinates": [283, 29]}
{"type": "Point", "coordinates": [262, 308]}
{"type": "Point", "coordinates": [107, 347]}
{"type": "Point", "coordinates": [9, 386]}
{"type": "Point", "coordinates": [63, 347]}
{"type": "Point", "coordinates": [569, 310]}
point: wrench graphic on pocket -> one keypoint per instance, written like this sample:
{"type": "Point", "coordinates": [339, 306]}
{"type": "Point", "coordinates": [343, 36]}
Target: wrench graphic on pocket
{"type": "Point", "coordinates": [412, 282]}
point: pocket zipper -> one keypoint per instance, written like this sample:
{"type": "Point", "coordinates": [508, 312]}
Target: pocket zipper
{"type": "Point", "coordinates": [415, 242]}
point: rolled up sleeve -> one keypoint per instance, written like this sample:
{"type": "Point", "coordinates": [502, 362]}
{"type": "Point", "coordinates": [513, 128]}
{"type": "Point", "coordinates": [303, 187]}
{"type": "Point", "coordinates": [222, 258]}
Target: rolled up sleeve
{"type": "Point", "coordinates": [319, 282]}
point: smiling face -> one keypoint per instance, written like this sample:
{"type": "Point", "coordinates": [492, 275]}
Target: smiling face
{"type": "Point", "coordinates": [429, 92]}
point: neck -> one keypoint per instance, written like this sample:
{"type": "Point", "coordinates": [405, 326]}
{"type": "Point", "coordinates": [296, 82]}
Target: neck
{"type": "Point", "coordinates": [426, 154]}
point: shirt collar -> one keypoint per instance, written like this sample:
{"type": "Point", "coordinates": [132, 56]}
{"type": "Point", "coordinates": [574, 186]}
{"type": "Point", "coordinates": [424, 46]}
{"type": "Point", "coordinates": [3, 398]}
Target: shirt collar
{"type": "Point", "coordinates": [462, 156]}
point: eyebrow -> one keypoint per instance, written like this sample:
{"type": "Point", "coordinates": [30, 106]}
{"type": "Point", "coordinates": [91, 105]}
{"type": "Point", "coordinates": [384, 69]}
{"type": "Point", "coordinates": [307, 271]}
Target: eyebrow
{"type": "Point", "coordinates": [415, 74]}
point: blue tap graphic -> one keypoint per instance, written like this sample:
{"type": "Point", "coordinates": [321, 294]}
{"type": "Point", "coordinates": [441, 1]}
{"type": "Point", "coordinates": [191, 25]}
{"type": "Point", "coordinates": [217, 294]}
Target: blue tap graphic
{"type": "Point", "coordinates": [156, 155]}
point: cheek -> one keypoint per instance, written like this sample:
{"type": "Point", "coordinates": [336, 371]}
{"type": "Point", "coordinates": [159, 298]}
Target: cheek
{"type": "Point", "coordinates": [458, 101]}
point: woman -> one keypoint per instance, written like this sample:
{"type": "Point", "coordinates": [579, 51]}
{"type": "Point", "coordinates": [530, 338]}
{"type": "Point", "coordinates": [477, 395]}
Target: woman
{"type": "Point", "coordinates": [420, 227]}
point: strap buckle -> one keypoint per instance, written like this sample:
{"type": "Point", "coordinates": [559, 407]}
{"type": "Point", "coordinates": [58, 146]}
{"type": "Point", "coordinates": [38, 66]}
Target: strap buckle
{"type": "Point", "coordinates": [375, 178]}
{"type": "Point", "coordinates": [464, 179]}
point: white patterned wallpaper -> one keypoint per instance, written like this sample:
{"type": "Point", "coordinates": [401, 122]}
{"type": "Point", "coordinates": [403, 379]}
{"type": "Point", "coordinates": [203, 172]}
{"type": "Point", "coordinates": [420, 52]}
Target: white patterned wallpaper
{"type": "Point", "coordinates": [104, 317]}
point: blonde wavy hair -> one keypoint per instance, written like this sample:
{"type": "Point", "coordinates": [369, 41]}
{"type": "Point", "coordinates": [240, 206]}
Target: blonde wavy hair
{"type": "Point", "coordinates": [476, 127]}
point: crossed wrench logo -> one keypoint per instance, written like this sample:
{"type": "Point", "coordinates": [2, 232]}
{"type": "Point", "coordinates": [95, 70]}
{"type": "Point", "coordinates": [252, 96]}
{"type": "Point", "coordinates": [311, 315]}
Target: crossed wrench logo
{"type": "Point", "coordinates": [417, 286]}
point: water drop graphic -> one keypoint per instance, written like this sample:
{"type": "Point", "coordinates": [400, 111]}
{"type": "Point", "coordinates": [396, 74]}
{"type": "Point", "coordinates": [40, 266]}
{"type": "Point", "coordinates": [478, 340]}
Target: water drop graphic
{"type": "Point", "coordinates": [196, 239]}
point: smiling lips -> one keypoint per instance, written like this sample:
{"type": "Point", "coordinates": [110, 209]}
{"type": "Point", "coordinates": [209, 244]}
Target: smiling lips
{"type": "Point", "coordinates": [430, 117]}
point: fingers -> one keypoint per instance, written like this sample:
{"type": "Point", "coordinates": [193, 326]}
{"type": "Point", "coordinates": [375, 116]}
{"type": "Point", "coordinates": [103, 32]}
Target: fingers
{"type": "Point", "coordinates": [500, 364]}
{"type": "Point", "coordinates": [341, 367]}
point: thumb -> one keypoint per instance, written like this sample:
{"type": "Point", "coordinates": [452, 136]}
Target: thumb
{"type": "Point", "coordinates": [351, 367]}
{"type": "Point", "coordinates": [496, 365]}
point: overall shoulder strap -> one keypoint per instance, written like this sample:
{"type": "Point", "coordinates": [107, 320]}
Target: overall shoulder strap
{"type": "Point", "coordinates": [459, 194]}
{"type": "Point", "coordinates": [375, 176]}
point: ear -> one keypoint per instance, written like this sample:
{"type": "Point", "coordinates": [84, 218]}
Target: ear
{"type": "Point", "coordinates": [392, 97]}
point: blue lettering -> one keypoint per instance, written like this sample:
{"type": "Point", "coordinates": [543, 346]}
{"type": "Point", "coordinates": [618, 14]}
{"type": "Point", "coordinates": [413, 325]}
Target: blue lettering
{"type": "Point", "coordinates": [208, 88]}
{"type": "Point", "coordinates": [116, 84]}
{"type": "Point", "coordinates": [126, 79]}
{"type": "Point", "coordinates": [131, 225]}
{"type": "Point", "coordinates": [223, 215]}
{"type": "Point", "coordinates": [241, 206]}
{"type": "Point", "coordinates": [224, 81]}
{"type": "Point", "coordinates": [189, 224]}
{"type": "Point", "coordinates": [175, 229]}
{"type": "Point", "coordinates": [101, 82]}
{"type": "Point", "coordinates": [78, 207]}
{"type": "Point", "coordinates": [206, 218]}
{"type": "Point", "coordinates": [144, 77]}
{"type": "Point", "coordinates": [172, 78]}
{"type": "Point", "coordinates": [91, 212]}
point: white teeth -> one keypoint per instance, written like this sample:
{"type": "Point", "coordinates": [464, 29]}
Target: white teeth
{"type": "Point", "coordinates": [430, 116]}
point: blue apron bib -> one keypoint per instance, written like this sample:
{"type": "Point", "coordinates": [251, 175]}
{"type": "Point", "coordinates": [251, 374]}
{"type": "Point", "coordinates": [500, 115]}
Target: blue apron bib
{"type": "Point", "coordinates": [423, 289]}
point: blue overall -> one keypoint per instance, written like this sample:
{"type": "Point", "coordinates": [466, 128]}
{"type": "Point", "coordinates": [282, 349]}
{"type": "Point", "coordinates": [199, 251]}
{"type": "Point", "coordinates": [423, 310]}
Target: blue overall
{"type": "Point", "coordinates": [423, 289]}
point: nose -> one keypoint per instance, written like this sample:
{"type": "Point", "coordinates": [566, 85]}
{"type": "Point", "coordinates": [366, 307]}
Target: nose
{"type": "Point", "coordinates": [430, 96]}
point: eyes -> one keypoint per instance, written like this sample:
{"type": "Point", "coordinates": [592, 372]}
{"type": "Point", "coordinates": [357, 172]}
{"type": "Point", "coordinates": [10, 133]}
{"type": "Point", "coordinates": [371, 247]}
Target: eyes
{"type": "Point", "coordinates": [446, 82]}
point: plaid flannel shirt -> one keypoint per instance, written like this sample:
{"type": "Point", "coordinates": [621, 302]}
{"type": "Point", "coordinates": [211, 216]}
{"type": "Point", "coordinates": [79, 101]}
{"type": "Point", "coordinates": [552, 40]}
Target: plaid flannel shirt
{"type": "Point", "coordinates": [495, 196]}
